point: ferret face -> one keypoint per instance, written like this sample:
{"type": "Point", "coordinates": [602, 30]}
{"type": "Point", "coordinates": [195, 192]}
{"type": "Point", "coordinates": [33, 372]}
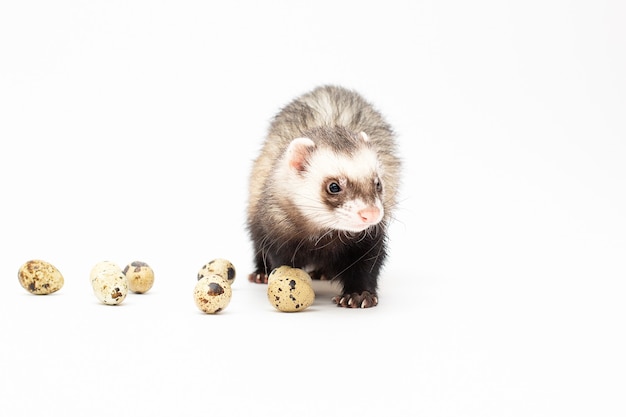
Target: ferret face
{"type": "Point", "coordinates": [335, 190]}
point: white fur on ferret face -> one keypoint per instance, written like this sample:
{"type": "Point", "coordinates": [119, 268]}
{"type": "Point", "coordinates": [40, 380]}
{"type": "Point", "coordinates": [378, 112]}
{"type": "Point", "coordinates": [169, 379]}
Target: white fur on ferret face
{"type": "Point", "coordinates": [356, 207]}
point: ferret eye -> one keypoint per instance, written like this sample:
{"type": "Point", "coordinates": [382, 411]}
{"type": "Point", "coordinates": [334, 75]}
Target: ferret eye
{"type": "Point", "coordinates": [333, 188]}
{"type": "Point", "coordinates": [379, 185]}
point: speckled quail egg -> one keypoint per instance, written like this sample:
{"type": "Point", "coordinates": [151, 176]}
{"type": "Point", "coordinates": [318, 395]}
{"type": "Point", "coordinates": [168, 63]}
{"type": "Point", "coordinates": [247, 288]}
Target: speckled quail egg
{"type": "Point", "coordinates": [140, 276]}
{"type": "Point", "coordinates": [212, 293]}
{"type": "Point", "coordinates": [40, 277]}
{"type": "Point", "coordinates": [289, 289]}
{"type": "Point", "coordinates": [110, 285]}
{"type": "Point", "coordinates": [221, 267]}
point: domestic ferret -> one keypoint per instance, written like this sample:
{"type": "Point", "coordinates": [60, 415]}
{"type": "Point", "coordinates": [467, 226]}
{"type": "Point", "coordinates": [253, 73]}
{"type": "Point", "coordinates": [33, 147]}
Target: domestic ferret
{"type": "Point", "coordinates": [322, 191]}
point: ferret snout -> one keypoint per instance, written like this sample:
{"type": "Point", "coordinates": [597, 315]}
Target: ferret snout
{"type": "Point", "coordinates": [370, 215]}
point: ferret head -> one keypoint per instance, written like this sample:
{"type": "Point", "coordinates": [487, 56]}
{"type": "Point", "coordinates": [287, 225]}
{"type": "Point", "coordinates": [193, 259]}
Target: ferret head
{"type": "Point", "coordinates": [334, 180]}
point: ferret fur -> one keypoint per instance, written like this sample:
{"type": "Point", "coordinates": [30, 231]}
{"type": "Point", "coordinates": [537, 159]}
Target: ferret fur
{"type": "Point", "coordinates": [322, 192]}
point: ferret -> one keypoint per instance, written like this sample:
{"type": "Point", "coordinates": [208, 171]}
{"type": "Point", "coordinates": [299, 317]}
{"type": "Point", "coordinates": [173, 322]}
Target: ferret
{"type": "Point", "coordinates": [322, 191]}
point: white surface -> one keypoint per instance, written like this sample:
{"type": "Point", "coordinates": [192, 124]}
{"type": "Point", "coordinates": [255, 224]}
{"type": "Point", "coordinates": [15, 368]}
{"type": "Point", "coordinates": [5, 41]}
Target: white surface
{"type": "Point", "coordinates": [127, 131]}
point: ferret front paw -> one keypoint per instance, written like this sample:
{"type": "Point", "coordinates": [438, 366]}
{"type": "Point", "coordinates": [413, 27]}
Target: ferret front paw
{"type": "Point", "coordinates": [259, 278]}
{"type": "Point", "coordinates": [355, 300]}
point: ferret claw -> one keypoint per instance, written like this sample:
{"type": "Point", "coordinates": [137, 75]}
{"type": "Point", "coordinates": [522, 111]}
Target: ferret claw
{"type": "Point", "coordinates": [258, 278]}
{"type": "Point", "coordinates": [355, 300]}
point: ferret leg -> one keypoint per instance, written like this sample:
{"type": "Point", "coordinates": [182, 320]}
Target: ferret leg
{"type": "Point", "coordinates": [360, 281]}
{"type": "Point", "coordinates": [359, 289]}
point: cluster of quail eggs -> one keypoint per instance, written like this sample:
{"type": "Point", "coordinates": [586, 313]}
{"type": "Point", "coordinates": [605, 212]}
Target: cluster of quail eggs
{"type": "Point", "coordinates": [109, 282]}
{"type": "Point", "coordinates": [288, 290]}
{"type": "Point", "coordinates": [213, 292]}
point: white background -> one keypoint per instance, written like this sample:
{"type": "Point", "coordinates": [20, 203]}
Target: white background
{"type": "Point", "coordinates": [127, 132]}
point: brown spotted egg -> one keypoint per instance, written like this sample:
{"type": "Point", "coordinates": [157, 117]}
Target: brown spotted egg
{"type": "Point", "coordinates": [40, 277]}
{"type": "Point", "coordinates": [110, 285]}
{"type": "Point", "coordinates": [221, 267]}
{"type": "Point", "coordinates": [140, 276]}
{"type": "Point", "coordinates": [212, 293]}
{"type": "Point", "coordinates": [289, 289]}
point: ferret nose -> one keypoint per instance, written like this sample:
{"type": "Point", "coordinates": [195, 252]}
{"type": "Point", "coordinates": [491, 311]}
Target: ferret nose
{"type": "Point", "coordinates": [369, 215]}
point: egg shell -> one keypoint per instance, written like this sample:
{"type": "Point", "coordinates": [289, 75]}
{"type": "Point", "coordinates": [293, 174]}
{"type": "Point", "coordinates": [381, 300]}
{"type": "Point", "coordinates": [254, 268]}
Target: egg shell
{"type": "Point", "coordinates": [40, 277]}
{"type": "Point", "coordinates": [290, 272]}
{"type": "Point", "coordinates": [212, 293]}
{"type": "Point", "coordinates": [110, 285]}
{"type": "Point", "coordinates": [289, 289]}
{"type": "Point", "coordinates": [103, 266]}
{"type": "Point", "coordinates": [140, 276]}
{"type": "Point", "coordinates": [219, 266]}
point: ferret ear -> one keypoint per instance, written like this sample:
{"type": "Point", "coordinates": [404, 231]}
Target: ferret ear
{"type": "Point", "coordinates": [364, 137]}
{"type": "Point", "coordinates": [297, 153]}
